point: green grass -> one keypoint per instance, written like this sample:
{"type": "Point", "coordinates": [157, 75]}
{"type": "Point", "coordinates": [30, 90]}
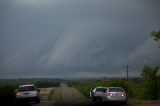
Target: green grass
{"type": "Point", "coordinates": [76, 95]}
{"type": "Point", "coordinates": [55, 94]}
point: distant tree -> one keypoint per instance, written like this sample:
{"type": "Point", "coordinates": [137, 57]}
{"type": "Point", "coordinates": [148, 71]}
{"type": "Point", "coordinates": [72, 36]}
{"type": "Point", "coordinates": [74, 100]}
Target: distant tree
{"type": "Point", "coordinates": [152, 74]}
{"type": "Point", "coordinates": [156, 36]}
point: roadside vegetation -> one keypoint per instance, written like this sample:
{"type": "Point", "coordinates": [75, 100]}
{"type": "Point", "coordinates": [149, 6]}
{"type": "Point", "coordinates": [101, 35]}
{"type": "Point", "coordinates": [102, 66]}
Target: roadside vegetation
{"type": "Point", "coordinates": [76, 95]}
{"type": "Point", "coordinates": [55, 94]}
{"type": "Point", "coordinates": [7, 92]}
{"type": "Point", "coordinates": [45, 92]}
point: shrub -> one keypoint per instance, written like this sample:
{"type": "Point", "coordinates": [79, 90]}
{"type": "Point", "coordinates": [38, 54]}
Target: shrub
{"type": "Point", "coordinates": [7, 92]}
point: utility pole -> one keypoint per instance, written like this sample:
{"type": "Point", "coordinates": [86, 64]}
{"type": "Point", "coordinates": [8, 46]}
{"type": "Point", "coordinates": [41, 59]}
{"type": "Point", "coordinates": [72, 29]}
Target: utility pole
{"type": "Point", "coordinates": [127, 73]}
{"type": "Point", "coordinates": [104, 78]}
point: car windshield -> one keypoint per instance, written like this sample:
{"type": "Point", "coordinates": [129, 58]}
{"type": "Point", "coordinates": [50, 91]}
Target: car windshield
{"type": "Point", "coordinates": [26, 88]}
{"type": "Point", "coordinates": [101, 89]}
{"type": "Point", "coordinates": [116, 90]}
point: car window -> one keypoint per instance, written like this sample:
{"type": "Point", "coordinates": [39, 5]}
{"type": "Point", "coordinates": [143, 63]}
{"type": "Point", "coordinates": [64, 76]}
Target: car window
{"type": "Point", "coordinates": [116, 90]}
{"type": "Point", "coordinates": [101, 89]}
{"type": "Point", "coordinates": [26, 88]}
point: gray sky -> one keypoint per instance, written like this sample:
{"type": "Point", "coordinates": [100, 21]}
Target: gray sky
{"type": "Point", "coordinates": [77, 38]}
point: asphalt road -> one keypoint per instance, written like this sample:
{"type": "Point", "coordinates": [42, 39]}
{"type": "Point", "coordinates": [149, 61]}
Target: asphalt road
{"type": "Point", "coordinates": [66, 94]}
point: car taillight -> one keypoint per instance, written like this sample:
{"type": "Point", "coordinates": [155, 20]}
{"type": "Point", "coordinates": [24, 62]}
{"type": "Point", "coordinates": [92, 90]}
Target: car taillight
{"type": "Point", "coordinates": [109, 94]}
{"type": "Point", "coordinates": [17, 94]}
{"type": "Point", "coordinates": [35, 92]}
{"type": "Point", "coordinates": [123, 94]}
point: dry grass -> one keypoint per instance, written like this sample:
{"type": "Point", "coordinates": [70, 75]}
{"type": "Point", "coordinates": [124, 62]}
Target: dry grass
{"type": "Point", "coordinates": [44, 93]}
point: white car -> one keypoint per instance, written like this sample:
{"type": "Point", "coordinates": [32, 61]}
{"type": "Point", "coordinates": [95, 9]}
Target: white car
{"type": "Point", "coordinates": [98, 93]}
{"type": "Point", "coordinates": [116, 94]}
{"type": "Point", "coordinates": [28, 93]}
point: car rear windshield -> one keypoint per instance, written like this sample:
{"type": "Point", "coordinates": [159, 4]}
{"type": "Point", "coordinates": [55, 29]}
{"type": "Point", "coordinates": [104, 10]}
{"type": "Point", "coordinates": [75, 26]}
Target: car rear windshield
{"type": "Point", "coordinates": [101, 89]}
{"type": "Point", "coordinates": [26, 88]}
{"type": "Point", "coordinates": [116, 90]}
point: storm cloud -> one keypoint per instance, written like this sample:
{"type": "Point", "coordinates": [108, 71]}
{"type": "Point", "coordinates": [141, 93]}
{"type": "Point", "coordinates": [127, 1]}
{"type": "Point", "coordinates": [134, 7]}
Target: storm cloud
{"type": "Point", "coordinates": [77, 38]}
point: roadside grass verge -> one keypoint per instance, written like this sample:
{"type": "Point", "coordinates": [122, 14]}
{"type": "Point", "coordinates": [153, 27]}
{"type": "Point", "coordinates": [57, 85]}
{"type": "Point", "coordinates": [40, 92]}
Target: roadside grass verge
{"type": "Point", "coordinates": [55, 94]}
{"type": "Point", "coordinates": [44, 93]}
{"type": "Point", "coordinates": [76, 95]}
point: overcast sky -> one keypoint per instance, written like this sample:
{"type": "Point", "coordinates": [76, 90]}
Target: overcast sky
{"type": "Point", "coordinates": [77, 38]}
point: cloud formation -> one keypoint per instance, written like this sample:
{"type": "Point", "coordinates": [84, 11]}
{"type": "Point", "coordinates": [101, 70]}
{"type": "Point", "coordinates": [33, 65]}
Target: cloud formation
{"type": "Point", "coordinates": [60, 38]}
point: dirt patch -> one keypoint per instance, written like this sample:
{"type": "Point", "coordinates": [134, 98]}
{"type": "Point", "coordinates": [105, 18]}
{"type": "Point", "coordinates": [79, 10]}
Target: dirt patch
{"type": "Point", "coordinates": [45, 91]}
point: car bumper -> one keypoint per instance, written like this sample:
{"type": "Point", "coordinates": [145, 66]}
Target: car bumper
{"type": "Point", "coordinates": [28, 99]}
{"type": "Point", "coordinates": [110, 99]}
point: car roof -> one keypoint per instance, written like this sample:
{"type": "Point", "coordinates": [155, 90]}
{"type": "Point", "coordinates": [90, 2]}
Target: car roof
{"type": "Point", "coordinates": [26, 85]}
{"type": "Point", "coordinates": [115, 87]}
{"type": "Point", "coordinates": [100, 87]}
